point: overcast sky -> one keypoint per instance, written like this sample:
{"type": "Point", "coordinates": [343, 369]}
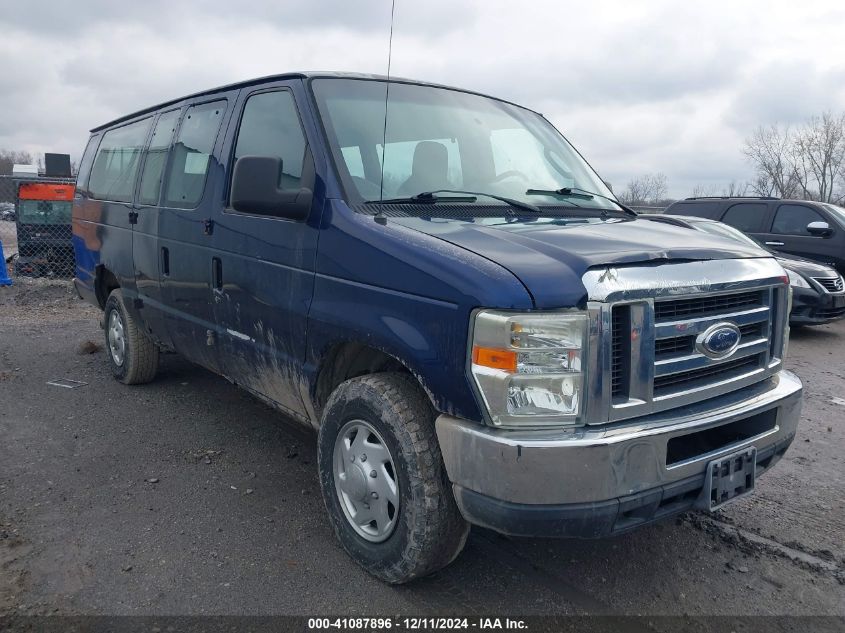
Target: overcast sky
{"type": "Point", "coordinates": [637, 86]}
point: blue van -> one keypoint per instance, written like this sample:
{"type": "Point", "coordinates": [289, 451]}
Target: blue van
{"type": "Point", "coordinates": [438, 284]}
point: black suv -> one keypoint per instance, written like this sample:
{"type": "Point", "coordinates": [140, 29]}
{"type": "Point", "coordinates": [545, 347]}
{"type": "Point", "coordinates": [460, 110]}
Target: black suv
{"type": "Point", "coordinates": [815, 230]}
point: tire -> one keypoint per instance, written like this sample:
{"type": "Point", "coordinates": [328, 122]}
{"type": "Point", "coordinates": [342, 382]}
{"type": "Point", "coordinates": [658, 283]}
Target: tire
{"type": "Point", "coordinates": [133, 357]}
{"type": "Point", "coordinates": [428, 531]}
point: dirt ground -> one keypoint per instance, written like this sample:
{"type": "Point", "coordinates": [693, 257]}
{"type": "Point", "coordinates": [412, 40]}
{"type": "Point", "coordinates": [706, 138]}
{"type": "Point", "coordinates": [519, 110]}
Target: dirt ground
{"type": "Point", "coordinates": [187, 496]}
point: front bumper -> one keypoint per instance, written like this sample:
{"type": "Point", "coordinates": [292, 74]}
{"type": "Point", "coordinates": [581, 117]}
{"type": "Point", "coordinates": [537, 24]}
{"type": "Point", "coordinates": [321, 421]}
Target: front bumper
{"type": "Point", "coordinates": [595, 481]}
{"type": "Point", "coordinates": [811, 307]}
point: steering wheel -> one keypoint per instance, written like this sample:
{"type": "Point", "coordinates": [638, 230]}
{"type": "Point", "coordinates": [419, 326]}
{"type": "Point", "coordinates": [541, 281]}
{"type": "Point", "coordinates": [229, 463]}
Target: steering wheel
{"type": "Point", "coordinates": [511, 173]}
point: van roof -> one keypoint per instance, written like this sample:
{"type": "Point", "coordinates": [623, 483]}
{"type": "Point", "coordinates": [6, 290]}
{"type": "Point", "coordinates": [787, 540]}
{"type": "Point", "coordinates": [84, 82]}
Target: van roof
{"type": "Point", "coordinates": [282, 76]}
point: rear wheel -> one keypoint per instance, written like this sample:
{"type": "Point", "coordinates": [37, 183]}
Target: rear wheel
{"type": "Point", "coordinates": [132, 355]}
{"type": "Point", "coordinates": [383, 479]}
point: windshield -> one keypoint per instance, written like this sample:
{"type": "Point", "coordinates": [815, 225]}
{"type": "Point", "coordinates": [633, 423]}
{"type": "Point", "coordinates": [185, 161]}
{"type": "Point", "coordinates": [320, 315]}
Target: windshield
{"type": "Point", "coordinates": [838, 212]}
{"type": "Point", "coordinates": [446, 139]}
{"type": "Point", "coordinates": [725, 230]}
{"type": "Point", "coordinates": [44, 212]}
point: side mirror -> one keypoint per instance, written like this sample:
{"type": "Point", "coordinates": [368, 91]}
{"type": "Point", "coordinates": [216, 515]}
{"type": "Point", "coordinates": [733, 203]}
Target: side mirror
{"type": "Point", "coordinates": [255, 189]}
{"type": "Point", "coordinates": [819, 229]}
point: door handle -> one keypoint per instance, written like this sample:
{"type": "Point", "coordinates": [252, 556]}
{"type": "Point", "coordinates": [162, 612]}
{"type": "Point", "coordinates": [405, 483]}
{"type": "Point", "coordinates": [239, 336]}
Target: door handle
{"type": "Point", "coordinates": [133, 217]}
{"type": "Point", "coordinates": [165, 261]}
{"type": "Point", "coordinates": [774, 243]}
{"type": "Point", "coordinates": [216, 273]}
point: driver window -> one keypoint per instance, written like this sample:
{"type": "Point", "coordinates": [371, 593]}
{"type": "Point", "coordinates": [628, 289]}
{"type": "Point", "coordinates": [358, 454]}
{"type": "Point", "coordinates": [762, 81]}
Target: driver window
{"type": "Point", "coordinates": [792, 219]}
{"type": "Point", "coordinates": [270, 127]}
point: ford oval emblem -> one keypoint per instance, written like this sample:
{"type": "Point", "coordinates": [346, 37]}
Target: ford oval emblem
{"type": "Point", "coordinates": [718, 341]}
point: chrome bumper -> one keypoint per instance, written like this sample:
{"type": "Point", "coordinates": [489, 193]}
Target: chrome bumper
{"type": "Point", "coordinates": [607, 464]}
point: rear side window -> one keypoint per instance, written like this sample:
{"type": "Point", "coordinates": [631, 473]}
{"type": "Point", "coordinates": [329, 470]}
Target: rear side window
{"type": "Point", "coordinates": [157, 157]}
{"type": "Point", "coordinates": [698, 209]}
{"type": "Point", "coordinates": [748, 217]}
{"type": "Point", "coordinates": [270, 127]}
{"type": "Point", "coordinates": [792, 219]}
{"type": "Point", "coordinates": [116, 165]}
{"type": "Point", "coordinates": [191, 154]}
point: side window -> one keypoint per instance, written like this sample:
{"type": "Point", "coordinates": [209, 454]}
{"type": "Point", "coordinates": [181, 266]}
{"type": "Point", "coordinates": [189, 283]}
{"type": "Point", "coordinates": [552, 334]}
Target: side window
{"type": "Point", "coordinates": [116, 164]}
{"type": "Point", "coordinates": [697, 209]}
{"type": "Point", "coordinates": [86, 163]}
{"type": "Point", "coordinates": [191, 154]}
{"type": "Point", "coordinates": [746, 216]}
{"type": "Point", "coordinates": [157, 157]}
{"type": "Point", "coordinates": [792, 219]}
{"type": "Point", "coordinates": [270, 127]}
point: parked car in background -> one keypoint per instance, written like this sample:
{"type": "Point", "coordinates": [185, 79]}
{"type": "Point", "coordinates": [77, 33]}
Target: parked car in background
{"type": "Point", "coordinates": [818, 291]}
{"type": "Point", "coordinates": [7, 211]}
{"type": "Point", "coordinates": [815, 230]}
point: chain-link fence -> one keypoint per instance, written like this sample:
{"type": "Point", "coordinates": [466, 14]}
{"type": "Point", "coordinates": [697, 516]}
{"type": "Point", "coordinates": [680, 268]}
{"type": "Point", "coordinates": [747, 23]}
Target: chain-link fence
{"type": "Point", "coordinates": [35, 227]}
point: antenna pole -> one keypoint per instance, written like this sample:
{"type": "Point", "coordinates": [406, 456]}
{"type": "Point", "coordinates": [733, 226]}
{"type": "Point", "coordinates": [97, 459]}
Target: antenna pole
{"type": "Point", "coordinates": [380, 217]}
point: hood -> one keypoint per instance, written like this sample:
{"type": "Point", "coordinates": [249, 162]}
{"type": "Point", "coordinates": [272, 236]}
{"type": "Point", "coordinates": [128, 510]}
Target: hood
{"type": "Point", "coordinates": [550, 255]}
{"type": "Point", "coordinates": [806, 267]}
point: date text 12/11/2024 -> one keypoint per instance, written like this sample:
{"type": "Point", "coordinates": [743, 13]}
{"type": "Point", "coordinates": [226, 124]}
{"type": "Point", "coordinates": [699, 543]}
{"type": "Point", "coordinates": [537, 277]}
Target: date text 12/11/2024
{"type": "Point", "coordinates": [415, 624]}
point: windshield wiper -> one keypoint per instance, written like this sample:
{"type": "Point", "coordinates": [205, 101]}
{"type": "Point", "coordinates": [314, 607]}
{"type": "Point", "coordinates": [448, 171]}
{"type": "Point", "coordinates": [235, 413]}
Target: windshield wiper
{"type": "Point", "coordinates": [577, 192]}
{"type": "Point", "coordinates": [462, 196]}
{"type": "Point", "coordinates": [424, 197]}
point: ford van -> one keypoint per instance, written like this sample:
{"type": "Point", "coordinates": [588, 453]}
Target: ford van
{"type": "Point", "coordinates": [438, 284]}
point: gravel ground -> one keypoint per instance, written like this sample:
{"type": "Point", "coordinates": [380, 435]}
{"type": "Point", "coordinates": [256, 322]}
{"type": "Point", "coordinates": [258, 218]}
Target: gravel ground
{"type": "Point", "coordinates": [188, 496]}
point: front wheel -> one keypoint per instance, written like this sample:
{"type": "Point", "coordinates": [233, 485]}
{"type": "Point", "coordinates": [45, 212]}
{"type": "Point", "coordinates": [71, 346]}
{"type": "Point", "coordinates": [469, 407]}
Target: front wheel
{"type": "Point", "coordinates": [383, 479]}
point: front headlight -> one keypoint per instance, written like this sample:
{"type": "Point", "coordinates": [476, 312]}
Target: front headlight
{"type": "Point", "coordinates": [529, 368]}
{"type": "Point", "coordinates": [796, 280]}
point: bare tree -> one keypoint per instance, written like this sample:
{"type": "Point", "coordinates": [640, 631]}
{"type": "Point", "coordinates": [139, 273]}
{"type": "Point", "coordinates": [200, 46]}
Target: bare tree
{"type": "Point", "coordinates": [703, 191]}
{"type": "Point", "coordinates": [807, 163]}
{"type": "Point", "coordinates": [819, 156]}
{"type": "Point", "coordinates": [8, 159]}
{"type": "Point", "coordinates": [734, 189]}
{"type": "Point", "coordinates": [646, 189]}
{"type": "Point", "coordinates": [770, 151]}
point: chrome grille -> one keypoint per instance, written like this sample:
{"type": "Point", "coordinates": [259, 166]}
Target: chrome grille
{"type": "Point", "coordinates": [750, 311]}
{"type": "Point", "coordinates": [682, 345]}
{"type": "Point", "coordinates": [703, 306]}
{"type": "Point", "coordinates": [646, 322]}
{"type": "Point", "coordinates": [831, 284]}
{"type": "Point", "coordinates": [695, 377]}
{"type": "Point", "coordinates": [620, 344]}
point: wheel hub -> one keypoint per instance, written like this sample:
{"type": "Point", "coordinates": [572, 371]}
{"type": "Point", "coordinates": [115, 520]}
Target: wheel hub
{"type": "Point", "coordinates": [354, 483]}
{"type": "Point", "coordinates": [365, 481]}
{"type": "Point", "coordinates": [116, 338]}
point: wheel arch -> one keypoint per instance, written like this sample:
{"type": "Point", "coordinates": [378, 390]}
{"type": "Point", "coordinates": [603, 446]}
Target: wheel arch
{"type": "Point", "coordinates": [343, 360]}
{"type": "Point", "coordinates": [105, 282]}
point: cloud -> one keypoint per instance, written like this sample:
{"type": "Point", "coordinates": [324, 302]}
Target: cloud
{"type": "Point", "coordinates": [638, 87]}
{"type": "Point", "coordinates": [786, 91]}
